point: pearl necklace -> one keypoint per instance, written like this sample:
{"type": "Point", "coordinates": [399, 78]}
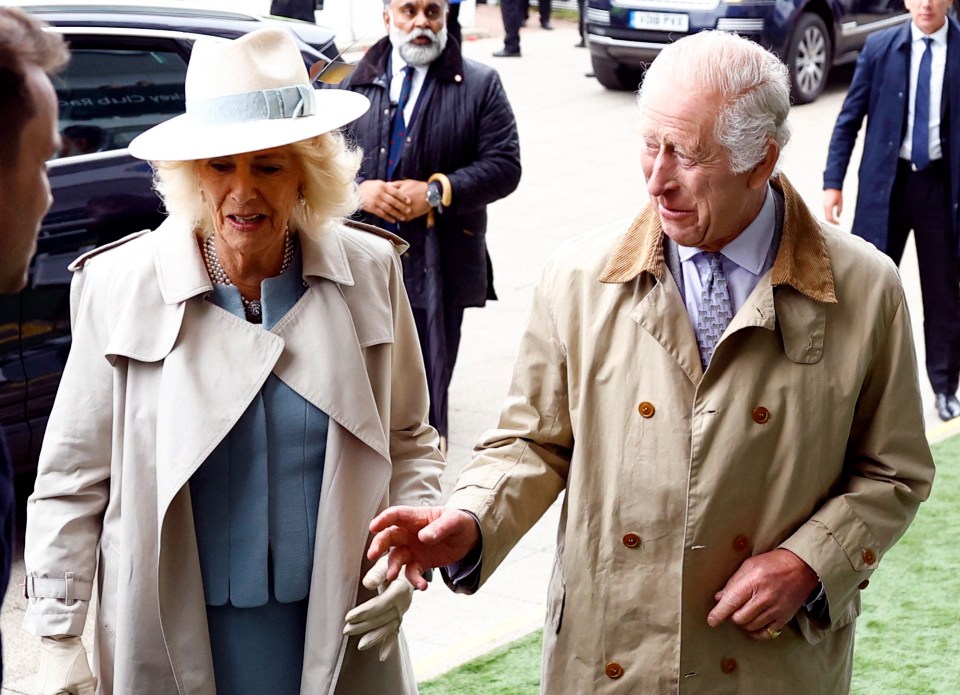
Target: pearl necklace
{"type": "Point", "coordinates": [251, 307]}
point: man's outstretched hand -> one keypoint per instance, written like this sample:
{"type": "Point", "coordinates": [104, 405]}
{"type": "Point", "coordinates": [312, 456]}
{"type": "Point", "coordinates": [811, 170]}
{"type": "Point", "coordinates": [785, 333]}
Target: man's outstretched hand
{"type": "Point", "coordinates": [419, 538]}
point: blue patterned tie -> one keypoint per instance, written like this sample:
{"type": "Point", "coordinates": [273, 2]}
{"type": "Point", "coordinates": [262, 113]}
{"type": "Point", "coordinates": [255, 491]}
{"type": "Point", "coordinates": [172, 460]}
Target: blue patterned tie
{"type": "Point", "coordinates": [399, 132]}
{"type": "Point", "coordinates": [921, 111]}
{"type": "Point", "coordinates": [715, 309]}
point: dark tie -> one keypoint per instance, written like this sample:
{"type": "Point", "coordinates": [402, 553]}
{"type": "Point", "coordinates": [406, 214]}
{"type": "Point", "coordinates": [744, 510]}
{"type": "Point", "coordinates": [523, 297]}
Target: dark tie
{"type": "Point", "coordinates": [921, 111]}
{"type": "Point", "coordinates": [715, 309]}
{"type": "Point", "coordinates": [399, 132]}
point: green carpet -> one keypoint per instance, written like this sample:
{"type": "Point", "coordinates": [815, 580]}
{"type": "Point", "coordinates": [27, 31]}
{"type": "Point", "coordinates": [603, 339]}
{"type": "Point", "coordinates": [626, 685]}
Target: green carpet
{"type": "Point", "coordinates": [908, 637]}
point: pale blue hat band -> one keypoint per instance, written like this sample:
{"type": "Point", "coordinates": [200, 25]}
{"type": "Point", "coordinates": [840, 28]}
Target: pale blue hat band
{"type": "Point", "coordinates": [262, 105]}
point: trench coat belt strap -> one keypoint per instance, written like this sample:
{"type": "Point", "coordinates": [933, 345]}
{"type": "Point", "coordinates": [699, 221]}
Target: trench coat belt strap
{"type": "Point", "coordinates": [68, 587]}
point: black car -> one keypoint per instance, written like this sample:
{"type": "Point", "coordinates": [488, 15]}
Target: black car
{"type": "Point", "coordinates": [810, 36]}
{"type": "Point", "coordinates": [125, 75]}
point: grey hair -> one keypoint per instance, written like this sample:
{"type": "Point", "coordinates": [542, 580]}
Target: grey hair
{"type": "Point", "coordinates": [754, 86]}
{"type": "Point", "coordinates": [329, 186]}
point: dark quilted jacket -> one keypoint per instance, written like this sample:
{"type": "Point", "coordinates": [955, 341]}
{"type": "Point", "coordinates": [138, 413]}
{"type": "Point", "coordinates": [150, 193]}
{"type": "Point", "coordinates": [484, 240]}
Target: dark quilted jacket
{"type": "Point", "coordinates": [463, 127]}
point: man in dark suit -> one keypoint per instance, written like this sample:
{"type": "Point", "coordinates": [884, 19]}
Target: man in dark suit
{"type": "Point", "coordinates": [907, 84]}
{"type": "Point", "coordinates": [28, 138]}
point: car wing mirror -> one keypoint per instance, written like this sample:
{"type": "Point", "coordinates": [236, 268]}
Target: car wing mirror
{"type": "Point", "coordinates": [332, 72]}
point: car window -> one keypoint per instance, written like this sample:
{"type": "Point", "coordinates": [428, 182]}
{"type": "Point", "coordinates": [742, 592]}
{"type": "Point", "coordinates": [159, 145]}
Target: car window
{"type": "Point", "coordinates": [110, 95]}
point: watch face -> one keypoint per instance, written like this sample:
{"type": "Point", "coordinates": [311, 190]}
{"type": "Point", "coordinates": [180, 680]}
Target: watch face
{"type": "Point", "coordinates": [433, 194]}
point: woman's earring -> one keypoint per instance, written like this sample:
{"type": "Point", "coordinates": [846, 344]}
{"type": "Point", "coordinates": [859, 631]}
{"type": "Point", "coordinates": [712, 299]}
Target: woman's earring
{"type": "Point", "coordinates": [303, 201]}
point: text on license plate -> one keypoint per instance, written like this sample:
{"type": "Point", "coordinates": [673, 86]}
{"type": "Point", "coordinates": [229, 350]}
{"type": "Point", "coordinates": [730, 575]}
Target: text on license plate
{"type": "Point", "coordinates": [659, 21]}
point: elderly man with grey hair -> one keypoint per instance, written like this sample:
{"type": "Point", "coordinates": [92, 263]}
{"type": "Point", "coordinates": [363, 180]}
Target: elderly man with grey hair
{"type": "Point", "coordinates": [727, 395]}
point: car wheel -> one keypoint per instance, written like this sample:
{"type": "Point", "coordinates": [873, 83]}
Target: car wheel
{"type": "Point", "coordinates": [615, 76]}
{"type": "Point", "coordinates": [809, 58]}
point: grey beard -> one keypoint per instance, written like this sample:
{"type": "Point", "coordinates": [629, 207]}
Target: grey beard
{"type": "Point", "coordinates": [418, 56]}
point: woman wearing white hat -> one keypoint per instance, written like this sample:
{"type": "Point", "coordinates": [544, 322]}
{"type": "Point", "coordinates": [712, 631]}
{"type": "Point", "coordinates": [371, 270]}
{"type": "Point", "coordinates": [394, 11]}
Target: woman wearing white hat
{"type": "Point", "coordinates": [244, 393]}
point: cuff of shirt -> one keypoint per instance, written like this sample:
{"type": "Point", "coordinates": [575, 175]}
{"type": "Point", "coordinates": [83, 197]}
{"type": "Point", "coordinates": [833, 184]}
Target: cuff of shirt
{"type": "Point", "coordinates": [463, 576]}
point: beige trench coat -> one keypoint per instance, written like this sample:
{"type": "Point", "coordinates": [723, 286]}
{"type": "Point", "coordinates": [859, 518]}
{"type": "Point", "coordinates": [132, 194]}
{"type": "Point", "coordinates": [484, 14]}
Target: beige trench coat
{"type": "Point", "coordinates": [156, 377]}
{"type": "Point", "coordinates": [805, 432]}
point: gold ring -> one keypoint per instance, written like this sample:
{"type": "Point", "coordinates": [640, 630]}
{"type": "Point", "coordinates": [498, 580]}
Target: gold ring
{"type": "Point", "coordinates": [773, 633]}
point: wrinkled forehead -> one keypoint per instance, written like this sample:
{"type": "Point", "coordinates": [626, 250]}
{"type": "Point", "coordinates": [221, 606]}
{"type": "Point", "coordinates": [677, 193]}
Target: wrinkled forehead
{"type": "Point", "coordinates": [429, 7]}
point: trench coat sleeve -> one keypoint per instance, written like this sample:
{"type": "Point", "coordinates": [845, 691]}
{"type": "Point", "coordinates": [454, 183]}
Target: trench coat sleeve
{"type": "Point", "coordinates": [889, 471]}
{"type": "Point", "coordinates": [417, 463]}
{"type": "Point", "coordinates": [495, 172]}
{"type": "Point", "coordinates": [520, 468]}
{"type": "Point", "coordinates": [852, 113]}
{"type": "Point", "coordinates": [65, 511]}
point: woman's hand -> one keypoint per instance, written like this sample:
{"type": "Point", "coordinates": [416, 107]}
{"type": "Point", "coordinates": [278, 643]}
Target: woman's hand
{"type": "Point", "coordinates": [64, 668]}
{"type": "Point", "coordinates": [378, 619]}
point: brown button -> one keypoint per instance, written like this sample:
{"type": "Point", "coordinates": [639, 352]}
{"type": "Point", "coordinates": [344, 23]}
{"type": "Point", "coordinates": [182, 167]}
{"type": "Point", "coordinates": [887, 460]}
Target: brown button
{"type": "Point", "coordinates": [864, 584]}
{"type": "Point", "coordinates": [631, 540]}
{"type": "Point", "coordinates": [869, 557]}
{"type": "Point", "coordinates": [646, 409]}
{"type": "Point", "coordinates": [613, 670]}
{"type": "Point", "coordinates": [740, 543]}
{"type": "Point", "coordinates": [728, 665]}
{"type": "Point", "coordinates": [760, 415]}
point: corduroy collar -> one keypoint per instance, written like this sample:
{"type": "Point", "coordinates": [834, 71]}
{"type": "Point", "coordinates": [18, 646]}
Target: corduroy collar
{"type": "Point", "coordinates": [802, 261]}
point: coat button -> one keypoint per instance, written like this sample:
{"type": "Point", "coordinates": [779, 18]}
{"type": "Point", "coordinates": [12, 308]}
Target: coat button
{"type": "Point", "coordinates": [740, 543]}
{"type": "Point", "coordinates": [864, 584]}
{"type": "Point", "coordinates": [613, 670]}
{"type": "Point", "coordinates": [646, 409]}
{"type": "Point", "coordinates": [760, 415]}
{"type": "Point", "coordinates": [869, 556]}
{"type": "Point", "coordinates": [631, 540]}
{"type": "Point", "coordinates": [728, 665]}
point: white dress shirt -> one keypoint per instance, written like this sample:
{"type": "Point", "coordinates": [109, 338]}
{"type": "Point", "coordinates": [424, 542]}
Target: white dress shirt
{"type": "Point", "coordinates": [397, 64]}
{"type": "Point", "coordinates": [938, 63]}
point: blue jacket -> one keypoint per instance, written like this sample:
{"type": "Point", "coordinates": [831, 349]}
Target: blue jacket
{"type": "Point", "coordinates": [879, 92]}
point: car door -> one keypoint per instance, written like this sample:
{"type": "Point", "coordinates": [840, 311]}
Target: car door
{"type": "Point", "coordinates": [117, 84]}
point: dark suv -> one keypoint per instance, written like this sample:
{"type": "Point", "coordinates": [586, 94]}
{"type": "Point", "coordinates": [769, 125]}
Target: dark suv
{"type": "Point", "coordinates": [126, 74]}
{"type": "Point", "coordinates": [810, 36]}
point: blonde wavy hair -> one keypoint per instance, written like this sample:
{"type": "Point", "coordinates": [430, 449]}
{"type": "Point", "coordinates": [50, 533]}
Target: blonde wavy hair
{"type": "Point", "coordinates": [329, 187]}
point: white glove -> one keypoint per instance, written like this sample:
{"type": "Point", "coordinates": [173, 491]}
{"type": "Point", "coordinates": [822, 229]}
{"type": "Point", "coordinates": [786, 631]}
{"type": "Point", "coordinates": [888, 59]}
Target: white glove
{"type": "Point", "coordinates": [378, 619]}
{"type": "Point", "coordinates": [64, 669]}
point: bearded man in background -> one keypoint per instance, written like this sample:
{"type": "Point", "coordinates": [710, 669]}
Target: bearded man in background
{"type": "Point", "coordinates": [440, 144]}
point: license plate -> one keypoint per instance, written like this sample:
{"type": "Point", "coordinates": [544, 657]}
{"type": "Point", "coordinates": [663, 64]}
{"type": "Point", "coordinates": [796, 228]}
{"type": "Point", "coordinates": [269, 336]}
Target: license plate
{"type": "Point", "coordinates": [659, 21]}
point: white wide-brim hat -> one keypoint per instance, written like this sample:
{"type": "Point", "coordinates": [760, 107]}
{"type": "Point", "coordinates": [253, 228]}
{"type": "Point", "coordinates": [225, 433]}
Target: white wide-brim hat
{"type": "Point", "coordinates": [245, 95]}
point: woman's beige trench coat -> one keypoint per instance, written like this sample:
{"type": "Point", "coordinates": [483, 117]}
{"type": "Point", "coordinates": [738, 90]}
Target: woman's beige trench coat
{"type": "Point", "coordinates": [805, 432]}
{"type": "Point", "coordinates": [156, 377]}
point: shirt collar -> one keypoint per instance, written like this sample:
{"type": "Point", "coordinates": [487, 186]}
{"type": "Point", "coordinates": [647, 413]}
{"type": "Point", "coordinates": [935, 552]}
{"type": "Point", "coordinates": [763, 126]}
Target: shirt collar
{"type": "Point", "coordinates": [750, 248]}
{"type": "Point", "coordinates": [939, 36]}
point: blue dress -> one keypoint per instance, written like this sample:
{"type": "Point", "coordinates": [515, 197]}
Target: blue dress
{"type": "Point", "coordinates": [255, 502]}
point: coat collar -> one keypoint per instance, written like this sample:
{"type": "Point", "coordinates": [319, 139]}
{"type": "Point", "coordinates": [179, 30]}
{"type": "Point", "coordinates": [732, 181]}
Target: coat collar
{"type": "Point", "coordinates": [372, 68]}
{"type": "Point", "coordinates": [802, 261]}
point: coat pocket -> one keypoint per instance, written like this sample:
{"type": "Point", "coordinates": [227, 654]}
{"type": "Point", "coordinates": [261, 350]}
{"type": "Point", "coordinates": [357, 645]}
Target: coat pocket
{"type": "Point", "coordinates": [108, 572]}
{"type": "Point", "coordinates": [556, 596]}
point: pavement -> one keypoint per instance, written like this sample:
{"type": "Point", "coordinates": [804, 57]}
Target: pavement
{"type": "Point", "coordinates": [581, 172]}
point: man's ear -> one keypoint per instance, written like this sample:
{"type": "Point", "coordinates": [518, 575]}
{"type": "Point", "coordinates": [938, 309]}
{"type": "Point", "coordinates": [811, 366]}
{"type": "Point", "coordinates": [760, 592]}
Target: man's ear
{"type": "Point", "coordinates": [763, 170]}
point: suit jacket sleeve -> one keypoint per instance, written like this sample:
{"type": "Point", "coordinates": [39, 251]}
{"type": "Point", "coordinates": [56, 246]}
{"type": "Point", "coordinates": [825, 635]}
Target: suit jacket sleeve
{"type": "Point", "coordinates": [855, 108]}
